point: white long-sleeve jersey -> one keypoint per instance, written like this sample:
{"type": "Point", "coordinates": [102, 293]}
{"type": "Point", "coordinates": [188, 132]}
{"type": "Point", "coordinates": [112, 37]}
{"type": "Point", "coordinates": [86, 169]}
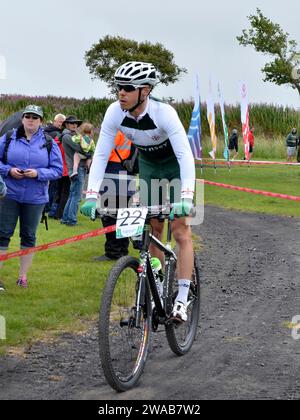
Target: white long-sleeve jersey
{"type": "Point", "coordinates": [157, 133]}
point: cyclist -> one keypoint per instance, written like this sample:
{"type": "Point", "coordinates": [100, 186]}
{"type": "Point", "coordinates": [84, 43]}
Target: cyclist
{"type": "Point", "coordinates": [164, 153]}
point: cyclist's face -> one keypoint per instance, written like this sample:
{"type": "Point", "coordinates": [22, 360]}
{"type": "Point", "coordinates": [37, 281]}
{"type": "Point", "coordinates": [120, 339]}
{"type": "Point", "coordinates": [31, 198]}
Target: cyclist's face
{"type": "Point", "coordinates": [129, 99]}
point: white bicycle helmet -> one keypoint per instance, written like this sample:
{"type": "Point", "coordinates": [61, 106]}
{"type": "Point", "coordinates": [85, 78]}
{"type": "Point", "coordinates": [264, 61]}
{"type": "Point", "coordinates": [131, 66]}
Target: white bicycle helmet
{"type": "Point", "coordinates": [136, 73]}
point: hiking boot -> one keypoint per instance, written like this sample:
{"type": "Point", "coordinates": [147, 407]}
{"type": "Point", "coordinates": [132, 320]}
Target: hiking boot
{"type": "Point", "coordinates": [2, 288]}
{"type": "Point", "coordinates": [179, 312]}
{"type": "Point", "coordinates": [22, 282]}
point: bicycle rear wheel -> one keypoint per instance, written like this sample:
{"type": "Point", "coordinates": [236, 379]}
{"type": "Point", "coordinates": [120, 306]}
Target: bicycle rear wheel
{"type": "Point", "coordinates": [181, 336]}
{"type": "Point", "coordinates": [123, 346]}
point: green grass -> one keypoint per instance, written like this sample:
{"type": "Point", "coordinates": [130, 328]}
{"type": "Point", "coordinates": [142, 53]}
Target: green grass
{"type": "Point", "coordinates": [265, 148]}
{"type": "Point", "coordinates": [278, 179]}
{"type": "Point", "coordinates": [65, 284]}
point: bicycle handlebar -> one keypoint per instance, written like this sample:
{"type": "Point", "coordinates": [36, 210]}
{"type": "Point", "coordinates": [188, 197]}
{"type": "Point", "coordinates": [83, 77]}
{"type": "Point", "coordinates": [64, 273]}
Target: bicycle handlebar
{"type": "Point", "coordinates": [153, 211]}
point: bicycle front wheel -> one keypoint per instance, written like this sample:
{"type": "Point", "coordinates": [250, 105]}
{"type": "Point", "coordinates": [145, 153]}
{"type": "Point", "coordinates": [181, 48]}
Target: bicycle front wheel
{"type": "Point", "coordinates": [124, 340]}
{"type": "Point", "coordinates": [181, 336]}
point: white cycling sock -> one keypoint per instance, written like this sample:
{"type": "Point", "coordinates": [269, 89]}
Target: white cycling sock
{"type": "Point", "coordinates": [183, 290]}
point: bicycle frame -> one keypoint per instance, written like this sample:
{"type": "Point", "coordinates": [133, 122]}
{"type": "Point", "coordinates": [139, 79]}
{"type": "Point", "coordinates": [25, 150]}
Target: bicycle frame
{"type": "Point", "coordinates": [163, 310]}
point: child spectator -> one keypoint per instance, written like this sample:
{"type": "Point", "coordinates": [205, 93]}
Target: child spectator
{"type": "Point", "coordinates": [87, 144]}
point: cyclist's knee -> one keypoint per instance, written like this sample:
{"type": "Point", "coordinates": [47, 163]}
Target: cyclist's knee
{"type": "Point", "coordinates": [182, 234]}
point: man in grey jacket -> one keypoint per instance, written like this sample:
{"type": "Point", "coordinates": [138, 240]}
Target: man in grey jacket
{"type": "Point", "coordinates": [71, 125]}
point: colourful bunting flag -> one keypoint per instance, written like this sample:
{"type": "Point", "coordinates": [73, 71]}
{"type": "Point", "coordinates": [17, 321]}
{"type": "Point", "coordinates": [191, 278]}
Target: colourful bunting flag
{"type": "Point", "coordinates": [195, 132]}
{"type": "Point", "coordinates": [245, 119]}
{"type": "Point", "coordinates": [222, 107]}
{"type": "Point", "coordinates": [212, 121]}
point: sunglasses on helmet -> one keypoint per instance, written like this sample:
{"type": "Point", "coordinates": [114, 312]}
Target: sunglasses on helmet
{"type": "Point", "coordinates": [127, 88]}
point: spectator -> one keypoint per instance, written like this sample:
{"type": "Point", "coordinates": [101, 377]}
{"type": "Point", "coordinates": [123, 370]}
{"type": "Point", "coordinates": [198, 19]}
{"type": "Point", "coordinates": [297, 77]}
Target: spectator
{"type": "Point", "coordinates": [298, 152]}
{"type": "Point", "coordinates": [27, 165]}
{"type": "Point", "coordinates": [116, 248]}
{"type": "Point", "coordinates": [251, 141]}
{"type": "Point", "coordinates": [291, 144]}
{"type": "Point", "coordinates": [55, 131]}
{"type": "Point", "coordinates": [234, 144]}
{"type": "Point", "coordinates": [63, 187]}
{"type": "Point", "coordinates": [2, 194]}
{"type": "Point", "coordinates": [87, 144]}
{"type": "Point", "coordinates": [69, 216]}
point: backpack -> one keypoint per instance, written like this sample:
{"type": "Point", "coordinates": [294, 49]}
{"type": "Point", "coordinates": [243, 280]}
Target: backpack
{"type": "Point", "coordinates": [48, 145]}
{"type": "Point", "coordinates": [13, 121]}
{"type": "Point", "coordinates": [131, 164]}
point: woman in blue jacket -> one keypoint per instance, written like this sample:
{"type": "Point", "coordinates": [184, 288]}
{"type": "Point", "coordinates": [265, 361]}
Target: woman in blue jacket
{"type": "Point", "coordinates": [26, 168]}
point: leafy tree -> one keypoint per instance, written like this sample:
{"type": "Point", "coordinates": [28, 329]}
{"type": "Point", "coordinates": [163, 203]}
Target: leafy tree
{"type": "Point", "coordinates": [109, 53]}
{"type": "Point", "coordinates": [268, 38]}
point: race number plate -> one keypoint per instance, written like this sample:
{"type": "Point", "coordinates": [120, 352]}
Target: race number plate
{"type": "Point", "coordinates": [131, 222]}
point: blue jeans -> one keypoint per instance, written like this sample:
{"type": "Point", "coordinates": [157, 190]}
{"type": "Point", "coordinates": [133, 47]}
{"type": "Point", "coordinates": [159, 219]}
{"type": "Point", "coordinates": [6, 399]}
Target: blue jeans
{"type": "Point", "coordinates": [71, 208]}
{"type": "Point", "coordinates": [29, 216]}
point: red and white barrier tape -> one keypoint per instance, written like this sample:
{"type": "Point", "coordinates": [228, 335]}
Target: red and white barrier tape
{"type": "Point", "coordinates": [245, 162]}
{"type": "Point", "coordinates": [251, 190]}
{"type": "Point", "coordinates": [100, 232]}
{"type": "Point", "coordinates": [88, 235]}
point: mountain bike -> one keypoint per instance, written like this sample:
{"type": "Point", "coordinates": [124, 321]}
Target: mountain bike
{"type": "Point", "coordinates": [136, 300]}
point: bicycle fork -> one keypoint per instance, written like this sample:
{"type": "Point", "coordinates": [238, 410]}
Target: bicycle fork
{"type": "Point", "coordinates": [145, 271]}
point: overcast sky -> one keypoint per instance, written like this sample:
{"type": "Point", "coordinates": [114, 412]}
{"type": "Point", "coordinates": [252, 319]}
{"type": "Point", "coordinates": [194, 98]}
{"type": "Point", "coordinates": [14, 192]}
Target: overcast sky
{"type": "Point", "coordinates": [43, 44]}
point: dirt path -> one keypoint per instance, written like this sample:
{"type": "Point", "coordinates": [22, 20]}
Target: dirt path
{"type": "Point", "coordinates": [244, 349]}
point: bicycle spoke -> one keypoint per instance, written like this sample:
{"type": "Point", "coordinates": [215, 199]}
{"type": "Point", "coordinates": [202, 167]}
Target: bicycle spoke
{"type": "Point", "coordinates": [124, 344]}
{"type": "Point", "coordinates": [181, 335]}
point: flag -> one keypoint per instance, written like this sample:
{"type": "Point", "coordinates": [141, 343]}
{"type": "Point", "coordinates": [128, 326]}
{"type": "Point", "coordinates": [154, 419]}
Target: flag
{"type": "Point", "coordinates": [222, 107]}
{"type": "Point", "coordinates": [245, 119]}
{"type": "Point", "coordinates": [212, 121]}
{"type": "Point", "coordinates": [195, 133]}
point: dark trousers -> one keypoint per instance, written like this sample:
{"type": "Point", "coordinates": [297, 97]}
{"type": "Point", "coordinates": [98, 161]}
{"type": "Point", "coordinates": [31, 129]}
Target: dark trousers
{"type": "Point", "coordinates": [59, 197]}
{"type": "Point", "coordinates": [114, 248]}
{"type": "Point", "coordinates": [52, 191]}
{"type": "Point", "coordinates": [29, 216]}
{"type": "Point", "coordinates": [64, 192]}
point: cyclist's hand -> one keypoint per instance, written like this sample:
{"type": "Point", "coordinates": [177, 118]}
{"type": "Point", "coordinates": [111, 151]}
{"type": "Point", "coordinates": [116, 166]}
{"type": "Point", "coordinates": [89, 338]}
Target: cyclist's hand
{"type": "Point", "coordinates": [89, 208]}
{"type": "Point", "coordinates": [181, 209]}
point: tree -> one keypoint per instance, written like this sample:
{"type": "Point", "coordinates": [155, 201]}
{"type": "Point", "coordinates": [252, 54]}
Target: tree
{"type": "Point", "coordinates": [268, 37]}
{"type": "Point", "coordinates": [109, 53]}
